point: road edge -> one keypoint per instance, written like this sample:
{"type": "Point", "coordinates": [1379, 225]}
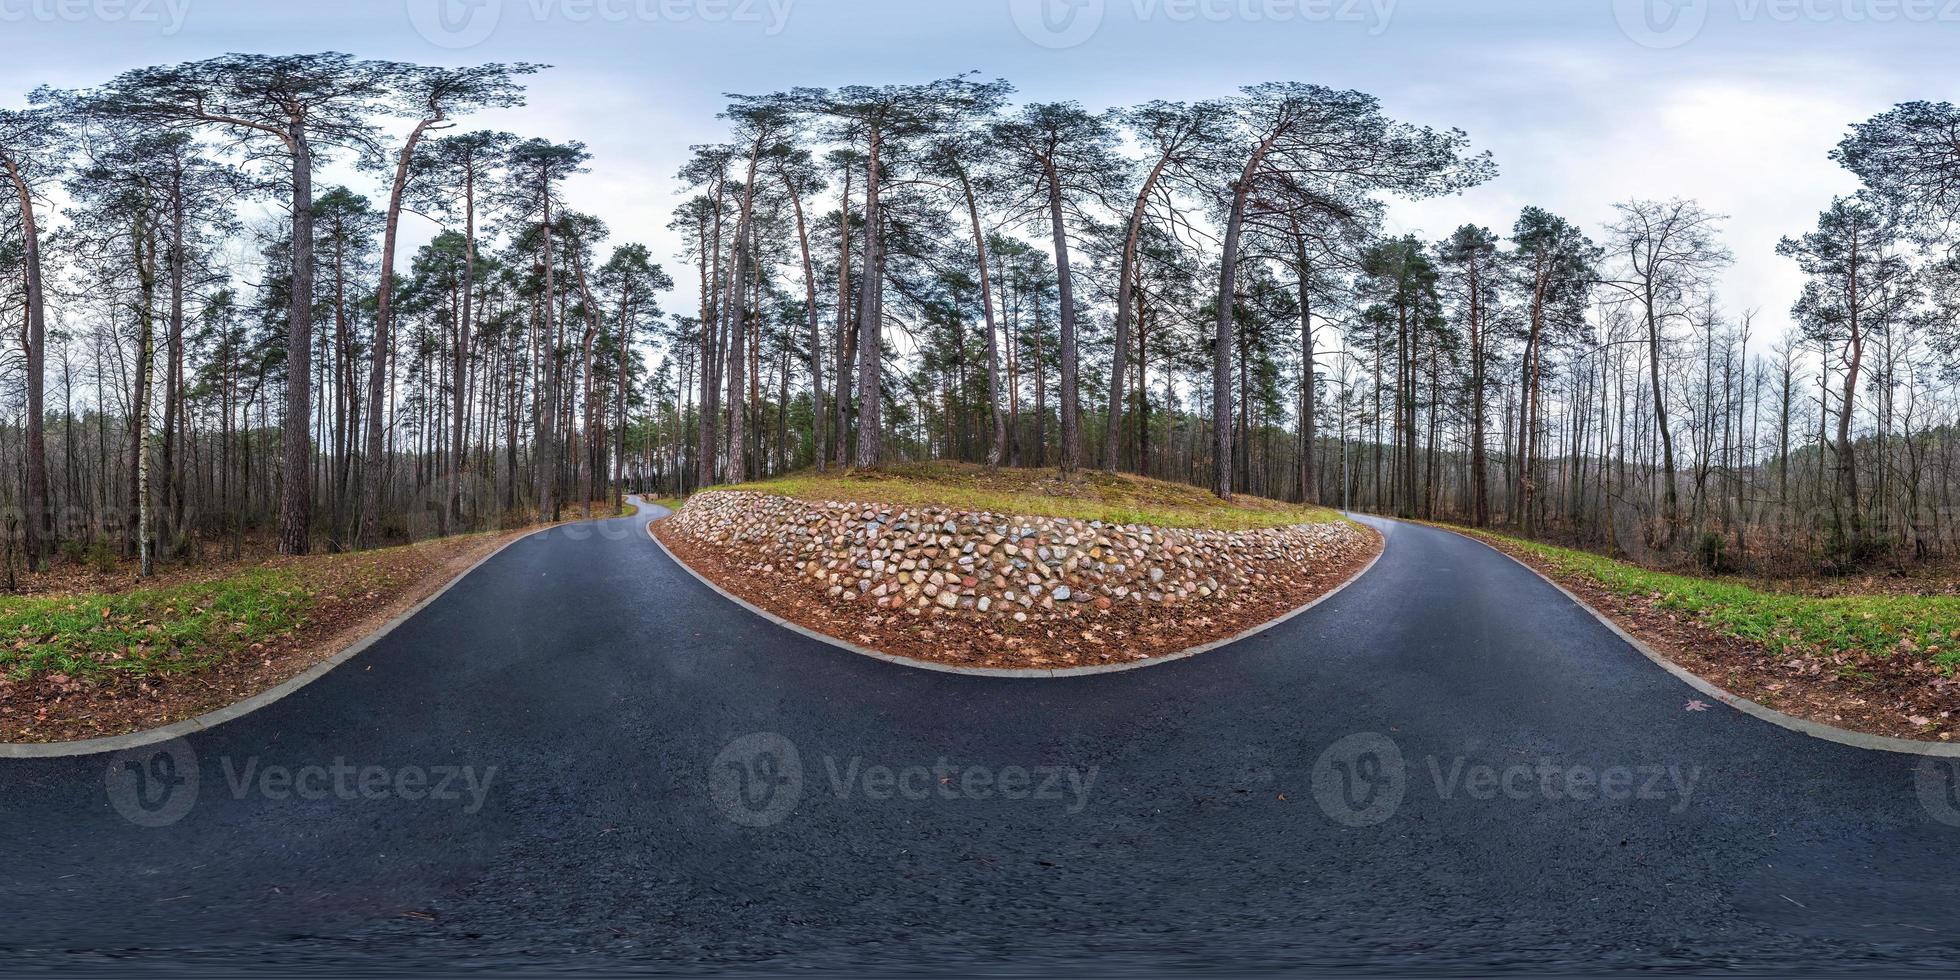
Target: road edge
{"type": "Point", "coordinates": [1802, 726]}
{"type": "Point", "coordinates": [1017, 673]}
{"type": "Point", "coordinates": [239, 709]}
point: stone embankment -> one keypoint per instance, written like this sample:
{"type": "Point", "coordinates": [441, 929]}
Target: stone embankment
{"type": "Point", "coordinates": [953, 565]}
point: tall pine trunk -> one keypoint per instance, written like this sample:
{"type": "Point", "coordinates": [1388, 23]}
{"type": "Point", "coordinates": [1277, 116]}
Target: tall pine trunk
{"type": "Point", "coordinates": [38, 531]}
{"type": "Point", "coordinates": [296, 486]}
{"type": "Point", "coordinates": [1065, 288]}
{"type": "Point", "coordinates": [1125, 285]}
{"type": "Point", "coordinates": [1221, 354]}
{"type": "Point", "coordinates": [870, 353]}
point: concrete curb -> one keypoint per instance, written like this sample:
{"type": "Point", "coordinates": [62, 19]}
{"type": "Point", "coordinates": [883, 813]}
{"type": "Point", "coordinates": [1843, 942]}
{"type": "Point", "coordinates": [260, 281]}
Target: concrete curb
{"type": "Point", "coordinates": [212, 719]}
{"type": "Point", "coordinates": [1009, 672]}
{"type": "Point", "coordinates": [1804, 726]}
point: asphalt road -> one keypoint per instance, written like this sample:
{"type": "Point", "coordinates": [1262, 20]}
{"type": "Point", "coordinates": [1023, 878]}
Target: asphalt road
{"type": "Point", "coordinates": [579, 758]}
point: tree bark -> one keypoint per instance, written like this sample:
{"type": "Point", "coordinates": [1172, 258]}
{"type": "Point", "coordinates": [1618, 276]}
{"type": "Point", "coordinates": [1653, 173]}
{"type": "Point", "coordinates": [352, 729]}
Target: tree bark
{"type": "Point", "coordinates": [999, 443]}
{"type": "Point", "coordinates": [870, 353]}
{"type": "Point", "coordinates": [296, 487]}
{"type": "Point", "coordinates": [818, 420]}
{"type": "Point", "coordinates": [1670, 502]}
{"type": "Point", "coordinates": [1221, 362]}
{"type": "Point", "coordinates": [1125, 284]}
{"type": "Point", "coordinates": [619, 392]}
{"type": "Point", "coordinates": [738, 361]}
{"type": "Point", "coordinates": [1479, 480]}
{"type": "Point", "coordinates": [846, 335]}
{"type": "Point", "coordinates": [546, 478]}
{"type": "Point", "coordinates": [1309, 480]}
{"type": "Point", "coordinates": [37, 531]}
{"type": "Point", "coordinates": [371, 488]}
{"type": "Point", "coordinates": [465, 326]}
{"type": "Point", "coordinates": [1064, 284]}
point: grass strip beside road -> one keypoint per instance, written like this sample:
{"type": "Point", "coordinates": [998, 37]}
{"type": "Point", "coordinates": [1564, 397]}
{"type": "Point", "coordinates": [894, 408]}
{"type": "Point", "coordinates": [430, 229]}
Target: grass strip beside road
{"type": "Point", "coordinates": [1922, 627]}
{"type": "Point", "coordinates": [189, 625]}
{"type": "Point", "coordinates": [157, 630]}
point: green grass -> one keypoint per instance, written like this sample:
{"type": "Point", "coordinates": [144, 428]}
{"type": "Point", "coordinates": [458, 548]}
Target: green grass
{"type": "Point", "coordinates": [1089, 496]}
{"type": "Point", "coordinates": [186, 626]}
{"type": "Point", "coordinates": [162, 630]}
{"type": "Point", "coordinates": [1926, 627]}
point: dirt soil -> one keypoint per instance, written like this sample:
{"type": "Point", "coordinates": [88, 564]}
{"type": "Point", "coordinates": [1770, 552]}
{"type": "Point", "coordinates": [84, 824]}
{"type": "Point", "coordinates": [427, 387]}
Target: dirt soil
{"type": "Point", "coordinates": [1123, 633]}
{"type": "Point", "coordinates": [1898, 697]}
{"type": "Point", "coordinates": [349, 606]}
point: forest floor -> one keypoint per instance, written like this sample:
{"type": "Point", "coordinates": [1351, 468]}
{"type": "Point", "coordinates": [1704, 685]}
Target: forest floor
{"type": "Point", "coordinates": [1101, 634]}
{"type": "Point", "coordinates": [1091, 495]}
{"type": "Point", "coordinates": [90, 649]}
{"type": "Point", "coordinates": [1881, 662]}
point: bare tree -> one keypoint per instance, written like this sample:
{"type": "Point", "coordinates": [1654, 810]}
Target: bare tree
{"type": "Point", "coordinates": [1667, 256]}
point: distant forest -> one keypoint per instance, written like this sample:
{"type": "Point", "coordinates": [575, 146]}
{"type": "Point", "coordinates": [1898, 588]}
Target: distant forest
{"type": "Point", "coordinates": [1196, 291]}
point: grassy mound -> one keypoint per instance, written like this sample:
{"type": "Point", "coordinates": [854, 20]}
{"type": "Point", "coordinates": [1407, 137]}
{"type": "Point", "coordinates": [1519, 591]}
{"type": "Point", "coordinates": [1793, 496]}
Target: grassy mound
{"type": "Point", "coordinates": [1089, 496]}
{"type": "Point", "coordinates": [1918, 627]}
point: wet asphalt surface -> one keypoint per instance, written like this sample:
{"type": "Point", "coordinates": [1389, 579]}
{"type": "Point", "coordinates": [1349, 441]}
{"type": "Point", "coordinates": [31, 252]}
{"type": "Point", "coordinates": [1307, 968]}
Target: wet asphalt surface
{"type": "Point", "coordinates": [580, 758]}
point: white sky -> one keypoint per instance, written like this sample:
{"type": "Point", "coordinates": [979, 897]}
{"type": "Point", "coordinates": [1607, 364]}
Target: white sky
{"type": "Point", "coordinates": [1577, 110]}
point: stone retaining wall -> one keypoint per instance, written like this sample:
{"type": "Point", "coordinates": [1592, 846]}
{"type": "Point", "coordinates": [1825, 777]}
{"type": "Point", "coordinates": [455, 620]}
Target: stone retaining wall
{"type": "Point", "coordinates": [978, 565]}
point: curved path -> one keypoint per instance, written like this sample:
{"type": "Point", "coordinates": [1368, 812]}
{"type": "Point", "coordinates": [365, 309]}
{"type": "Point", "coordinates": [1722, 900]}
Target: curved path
{"type": "Point", "coordinates": [1214, 812]}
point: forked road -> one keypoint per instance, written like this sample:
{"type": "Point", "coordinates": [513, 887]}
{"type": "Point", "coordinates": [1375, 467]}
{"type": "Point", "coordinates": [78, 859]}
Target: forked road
{"type": "Point", "coordinates": [1163, 817]}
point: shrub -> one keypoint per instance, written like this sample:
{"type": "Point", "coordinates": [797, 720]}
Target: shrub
{"type": "Point", "coordinates": [1712, 551]}
{"type": "Point", "coordinates": [101, 557]}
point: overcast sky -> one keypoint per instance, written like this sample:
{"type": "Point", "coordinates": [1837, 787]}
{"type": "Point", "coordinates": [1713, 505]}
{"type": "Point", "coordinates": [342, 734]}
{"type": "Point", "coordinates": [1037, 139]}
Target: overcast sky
{"type": "Point", "coordinates": [1583, 102]}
